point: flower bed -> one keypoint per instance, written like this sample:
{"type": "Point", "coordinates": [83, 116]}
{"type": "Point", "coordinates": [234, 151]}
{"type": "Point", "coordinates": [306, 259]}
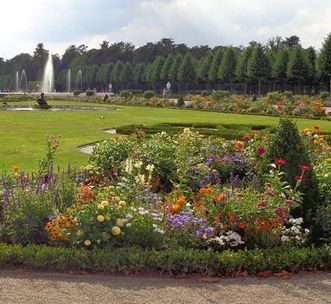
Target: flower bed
{"type": "Point", "coordinates": [183, 193]}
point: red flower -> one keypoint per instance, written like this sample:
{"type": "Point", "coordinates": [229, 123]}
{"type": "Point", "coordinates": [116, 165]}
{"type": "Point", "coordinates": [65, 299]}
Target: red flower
{"type": "Point", "coordinates": [246, 137]}
{"type": "Point", "coordinates": [262, 204]}
{"type": "Point", "coordinates": [280, 162]}
{"type": "Point", "coordinates": [289, 201]}
{"type": "Point", "coordinates": [305, 168]}
{"type": "Point", "coordinates": [260, 150]}
{"type": "Point", "coordinates": [299, 178]}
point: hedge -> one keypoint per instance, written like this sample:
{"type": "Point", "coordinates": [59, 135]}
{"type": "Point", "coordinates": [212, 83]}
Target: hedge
{"type": "Point", "coordinates": [179, 260]}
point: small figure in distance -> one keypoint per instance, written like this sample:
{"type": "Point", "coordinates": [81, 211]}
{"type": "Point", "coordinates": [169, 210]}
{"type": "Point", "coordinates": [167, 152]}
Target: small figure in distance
{"type": "Point", "coordinates": [105, 98]}
{"type": "Point", "coordinates": [42, 102]}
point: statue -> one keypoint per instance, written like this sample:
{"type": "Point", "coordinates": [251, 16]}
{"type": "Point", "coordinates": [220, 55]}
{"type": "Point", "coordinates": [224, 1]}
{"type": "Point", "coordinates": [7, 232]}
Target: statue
{"type": "Point", "coordinates": [42, 102]}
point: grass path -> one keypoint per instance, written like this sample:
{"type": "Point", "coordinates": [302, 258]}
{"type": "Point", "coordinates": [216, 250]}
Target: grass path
{"type": "Point", "coordinates": [23, 134]}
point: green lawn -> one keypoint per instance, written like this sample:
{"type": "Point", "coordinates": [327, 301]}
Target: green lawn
{"type": "Point", "coordinates": [23, 134]}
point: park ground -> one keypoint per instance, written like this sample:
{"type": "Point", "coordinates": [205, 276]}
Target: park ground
{"type": "Point", "coordinates": [23, 133]}
{"type": "Point", "coordinates": [32, 287]}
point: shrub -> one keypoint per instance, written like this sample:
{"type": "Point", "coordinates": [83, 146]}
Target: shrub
{"type": "Point", "coordinates": [219, 95]}
{"type": "Point", "coordinates": [287, 144]}
{"type": "Point", "coordinates": [174, 261]}
{"type": "Point", "coordinates": [149, 94]}
{"type": "Point", "coordinates": [205, 93]}
{"type": "Point", "coordinates": [180, 102]}
{"type": "Point", "coordinates": [324, 95]}
{"type": "Point", "coordinates": [126, 94]}
{"type": "Point", "coordinates": [77, 93]}
{"type": "Point", "coordinates": [90, 93]}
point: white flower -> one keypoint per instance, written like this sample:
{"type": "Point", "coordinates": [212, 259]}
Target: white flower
{"type": "Point", "coordinates": [284, 238]}
{"type": "Point", "coordinates": [150, 168]}
{"type": "Point", "coordinates": [138, 164]}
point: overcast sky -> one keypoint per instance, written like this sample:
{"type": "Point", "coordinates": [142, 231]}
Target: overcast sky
{"type": "Point", "coordinates": [59, 23]}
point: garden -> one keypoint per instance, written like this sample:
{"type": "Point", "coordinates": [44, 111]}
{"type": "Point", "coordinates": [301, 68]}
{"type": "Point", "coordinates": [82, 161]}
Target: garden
{"type": "Point", "coordinates": [176, 202]}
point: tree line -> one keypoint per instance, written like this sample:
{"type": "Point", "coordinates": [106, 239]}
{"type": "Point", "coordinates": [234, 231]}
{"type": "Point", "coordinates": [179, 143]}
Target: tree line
{"type": "Point", "coordinates": [280, 64]}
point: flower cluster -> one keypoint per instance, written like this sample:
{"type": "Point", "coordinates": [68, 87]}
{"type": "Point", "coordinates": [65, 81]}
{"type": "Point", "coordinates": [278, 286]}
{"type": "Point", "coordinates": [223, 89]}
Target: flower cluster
{"type": "Point", "coordinates": [294, 233]}
{"type": "Point", "coordinates": [60, 228]}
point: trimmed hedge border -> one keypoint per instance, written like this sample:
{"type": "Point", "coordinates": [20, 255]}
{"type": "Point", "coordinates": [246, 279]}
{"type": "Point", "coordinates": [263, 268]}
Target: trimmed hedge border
{"type": "Point", "coordinates": [179, 260]}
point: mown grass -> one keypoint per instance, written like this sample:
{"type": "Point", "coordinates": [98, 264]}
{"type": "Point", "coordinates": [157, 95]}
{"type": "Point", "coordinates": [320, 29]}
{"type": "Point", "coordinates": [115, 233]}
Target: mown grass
{"type": "Point", "coordinates": [23, 134]}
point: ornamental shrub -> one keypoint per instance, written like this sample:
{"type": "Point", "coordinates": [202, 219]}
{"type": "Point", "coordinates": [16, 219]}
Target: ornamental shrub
{"type": "Point", "coordinates": [219, 95]}
{"type": "Point", "coordinates": [180, 102]}
{"type": "Point", "coordinates": [77, 93]}
{"type": "Point", "coordinates": [149, 94]}
{"type": "Point", "coordinates": [126, 94]}
{"type": "Point", "coordinates": [287, 144]}
{"type": "Point", "coordinates": [324, 95]}
{"type": "Point", "coordinates": [90, 93]}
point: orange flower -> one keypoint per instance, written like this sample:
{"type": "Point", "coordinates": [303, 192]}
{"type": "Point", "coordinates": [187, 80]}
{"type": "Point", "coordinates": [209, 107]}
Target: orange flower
{"type": "Point", "coordinates": [222, 197]}
{"type": "Point", "coordinates": [175, 208]}
{"type": "Point", "coordinates": [210, 190]}
{"type": "Point", "coordinates": [225, 226]}
{"type": "Point", "coordinates": [242, 225]}
{"type": "Point", "coordinates": [203, 191]}
{"type": "Point", "coordinates": [181, 200]}
{"type": "Point", "coordinates": [238, 146]}
{"type": "Point", "coordinates": [16, 168]}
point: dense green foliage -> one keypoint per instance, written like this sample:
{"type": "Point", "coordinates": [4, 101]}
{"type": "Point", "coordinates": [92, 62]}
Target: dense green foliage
{"type": "Point", "coordinates": [172, 261]}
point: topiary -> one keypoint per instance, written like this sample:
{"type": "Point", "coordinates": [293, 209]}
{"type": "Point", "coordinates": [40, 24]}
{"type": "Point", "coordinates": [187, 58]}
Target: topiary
{"type": "Point", "coordinates": [180, 102]}
{"type": "Point", "coordinates": [288, 144]}
{"type": "Point", "coordinates": [90, 93]}
{"type": "Point", "coordinates": [149, 94]}
{"type": "Point", "coordinates": [77, 93]}
{"type": "Point", "coordinates": [126, 94]}
{"type": "Point", "coordinates": [324, 95]}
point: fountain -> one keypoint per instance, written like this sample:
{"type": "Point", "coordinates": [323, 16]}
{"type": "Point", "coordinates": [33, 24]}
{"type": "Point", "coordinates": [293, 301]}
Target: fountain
{"type": "Point", "coordinates": [69, 81]}
{"type": "Point", "coordinates": [79, 81]}
{"type": "Point", "coordinates": [23, 82]}
{"type": "Point", "coordinates": [48, 79]}
{"type": "Point", "coordinates": [16, 82]}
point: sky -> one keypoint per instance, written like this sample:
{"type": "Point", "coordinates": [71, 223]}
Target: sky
{"type": "Point", "coordinates": [60, 23]}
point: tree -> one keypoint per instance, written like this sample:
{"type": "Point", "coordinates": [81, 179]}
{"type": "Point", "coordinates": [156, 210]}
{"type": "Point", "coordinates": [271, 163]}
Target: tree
{"type": "Point", "coordinates": [258, 66]}
{"type": "Point", "coordinates": [279, 72]}
{"type": "Point", "coordinates": [173, 72]}
{"type": "Point", "coordinates": [241, 67]}
{"type": "Point", "coordinates": [204, 67]}
{"type": "Point", "coordinates": [298, 68]}
{"type": "Point", "coordinates": [323, 63]}
{"type": "Point", "coordinates": [116, 72]}
{"type": "Point", "coordinates": [287, 144]}
{"type": "Point", "coordinates": [166, 68]}
{"type": "Point", "coordinates": [156, 70]}
{"type": "Point", "coordinates": [126, 75]}
{"type": "Point", "coordinates": [186, 72]}
{"type": "Point", "coordinates": [138, 74]}
{"type": "Point", "coordinates": [215, 64]}
{"type": "Point", "coordinates": [226, 72]}
{"type": "Point", "coordinates": [292, 42]}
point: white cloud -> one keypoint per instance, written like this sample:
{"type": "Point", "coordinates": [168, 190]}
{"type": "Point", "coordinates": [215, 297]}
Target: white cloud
{"type": "Point", "coordinates": [59, 23]}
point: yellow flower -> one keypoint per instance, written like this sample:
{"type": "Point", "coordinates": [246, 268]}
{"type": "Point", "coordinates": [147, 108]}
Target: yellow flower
{"type": "Point", "coordinates": [122, 203]}
{"type": "Point", "coordinates": [116, 230]}
{"type": "Point", "coordinates": [80, 232]}
{"type": "Point", "coordinates": [119, 222]}
{"type": "Point", "coordinates": [87, 243]}
{"type": "Point", "coordinates": [101, 207]}
{"type": "Point", "coordinates": [105, 203]}
{"type": "Point", "coordinates": [100, 218]}
{"type": "Point", "coordinates": [98, 242]}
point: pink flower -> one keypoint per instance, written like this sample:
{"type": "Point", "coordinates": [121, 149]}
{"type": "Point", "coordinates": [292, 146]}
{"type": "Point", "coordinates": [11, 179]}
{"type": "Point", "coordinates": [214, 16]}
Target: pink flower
{"type": "Point", "coordinates": [246, 137]}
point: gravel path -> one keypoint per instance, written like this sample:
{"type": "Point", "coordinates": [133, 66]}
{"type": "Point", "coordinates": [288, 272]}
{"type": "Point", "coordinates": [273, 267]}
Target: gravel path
{"type": "Point", "coordinates": [31, 287]}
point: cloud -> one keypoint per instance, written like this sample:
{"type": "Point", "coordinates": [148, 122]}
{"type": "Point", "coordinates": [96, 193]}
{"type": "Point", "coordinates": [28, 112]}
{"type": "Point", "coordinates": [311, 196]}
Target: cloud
{"type": "Point", "coordinates": [59, 23]}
